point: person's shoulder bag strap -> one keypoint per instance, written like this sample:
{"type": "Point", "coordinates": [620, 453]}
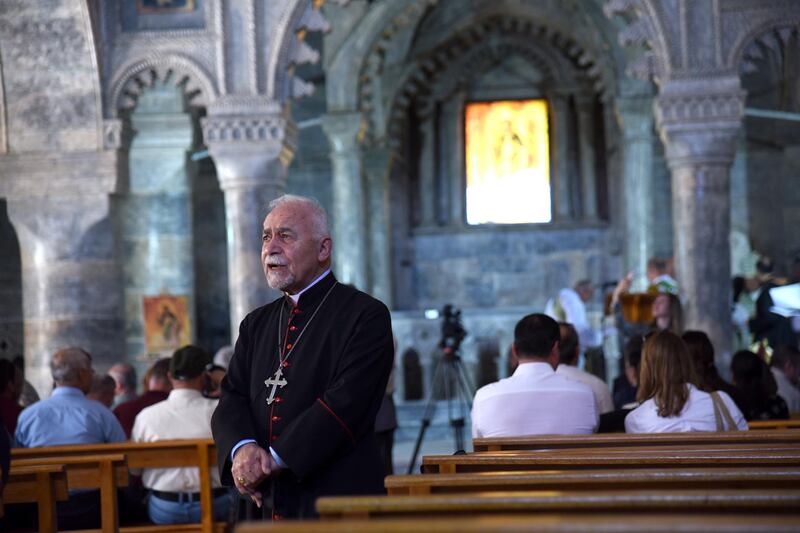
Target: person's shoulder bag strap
{"type": "Point", "coordinates": [721, 413]}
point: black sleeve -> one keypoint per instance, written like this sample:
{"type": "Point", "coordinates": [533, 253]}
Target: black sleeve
{"type": "Point", "coordinates": [347, 409]}
{"type": "Point", "coordinates": [232, 422]}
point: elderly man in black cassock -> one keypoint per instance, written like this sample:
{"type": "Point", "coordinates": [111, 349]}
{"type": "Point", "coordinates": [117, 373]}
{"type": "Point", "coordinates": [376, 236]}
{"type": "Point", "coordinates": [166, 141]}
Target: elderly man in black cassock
{"type": "Point", "coordinates": [295, 418]}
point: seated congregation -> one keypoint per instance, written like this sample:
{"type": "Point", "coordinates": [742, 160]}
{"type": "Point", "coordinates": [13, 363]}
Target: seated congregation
{"type": "Point", "coordinates": [670, 385]}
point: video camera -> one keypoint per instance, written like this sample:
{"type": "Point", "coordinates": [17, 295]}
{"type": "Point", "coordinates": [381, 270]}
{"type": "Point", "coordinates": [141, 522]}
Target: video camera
{"type": "Point", "coordinates": [453, 331]}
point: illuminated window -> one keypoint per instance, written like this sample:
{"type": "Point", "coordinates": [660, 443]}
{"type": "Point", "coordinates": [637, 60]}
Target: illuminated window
{"type": "Point", "coordinates": [508, 162]}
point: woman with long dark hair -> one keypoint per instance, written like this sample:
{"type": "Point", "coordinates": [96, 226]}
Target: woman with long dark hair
{"type": "Point", "coordinates": [670, 395]}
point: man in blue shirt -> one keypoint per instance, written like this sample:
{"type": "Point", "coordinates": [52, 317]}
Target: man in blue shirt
{"type": "Point", "coordinates": [68, 417]}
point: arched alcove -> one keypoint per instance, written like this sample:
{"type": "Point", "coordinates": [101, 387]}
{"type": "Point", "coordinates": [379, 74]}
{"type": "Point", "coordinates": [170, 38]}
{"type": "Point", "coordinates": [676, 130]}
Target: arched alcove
{"type": "Point", "coordinates": [488, 361]}
{"type": "Point", "coordinates": [412, 375]}
{"type": "Point", "coordinates": [11, 317]}
{"type": "Point", "coordinates": [764, 178]}
{"type": "Point", "coordinates": [171, 219]}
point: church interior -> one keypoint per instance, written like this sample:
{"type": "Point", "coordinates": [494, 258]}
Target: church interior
{"type": "Point", "coordinates": [481, 154]}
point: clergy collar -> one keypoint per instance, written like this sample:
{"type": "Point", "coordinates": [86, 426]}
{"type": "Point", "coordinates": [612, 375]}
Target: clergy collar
{"type": "Point", "coordinates": [311, 289]}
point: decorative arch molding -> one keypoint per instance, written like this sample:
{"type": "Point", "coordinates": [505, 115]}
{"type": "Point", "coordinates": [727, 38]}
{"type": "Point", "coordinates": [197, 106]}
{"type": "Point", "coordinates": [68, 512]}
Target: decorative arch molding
{"type": "Point", "coordinates": [348, 61]}
{"type": "Point", "coordinates": [289, 49]}
{"type": "Point", "coordinates": [561, 61]}
{"type": "Point", "coordinates": [132, 79]}
{"type": "Point", "coordinates": [747, 54]}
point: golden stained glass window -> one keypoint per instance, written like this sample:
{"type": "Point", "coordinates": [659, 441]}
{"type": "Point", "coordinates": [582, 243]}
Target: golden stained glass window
{"type": "Point", "coordinates": [508, 162]}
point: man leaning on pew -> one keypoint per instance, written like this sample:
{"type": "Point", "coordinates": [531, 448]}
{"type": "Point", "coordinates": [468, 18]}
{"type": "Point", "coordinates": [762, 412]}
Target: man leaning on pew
{"type": "Point", "coordinates": [68, 417]}
{"type": "Point", "coordinates": [535, 400]}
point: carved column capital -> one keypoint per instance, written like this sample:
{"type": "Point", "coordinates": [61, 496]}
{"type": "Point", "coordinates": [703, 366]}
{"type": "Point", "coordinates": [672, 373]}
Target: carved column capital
{"type": "Point", "coordinates": [635, 117]}
{"type": "Point", "coordinates": [345, 131]}
{"type": "Point", "coordinates": [699, 120]}
{"type": "Point", "coordinates": [244, 144]}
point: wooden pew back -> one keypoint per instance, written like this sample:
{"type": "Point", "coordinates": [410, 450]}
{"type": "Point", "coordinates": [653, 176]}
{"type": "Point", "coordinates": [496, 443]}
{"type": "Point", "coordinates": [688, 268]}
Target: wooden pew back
{"type": "Point", "coordinates": [40, 484]}
{"type": "Point", "coordinates": [621, 501]}
{"type": "Point", "coordinates": [614, 440]}
{"type": "Point", "coordinates": [543, 523]}
{"type": "Point", "coordinates": [162, 454]}
{"type": "Point", "coordinates": [670, 459]}
{"type": "Point", "coordinates": [594, 480]}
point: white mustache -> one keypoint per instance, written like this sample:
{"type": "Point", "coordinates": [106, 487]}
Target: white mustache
{"type": "Point", "coordinates": [276, 262]}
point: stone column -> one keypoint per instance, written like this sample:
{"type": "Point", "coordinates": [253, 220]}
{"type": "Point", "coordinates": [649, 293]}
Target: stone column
{"type": "Point", "coordinates": [252, 152]}
{"type": "Point", "coordinates": [559, 184]}
{"type": "Point", "coordinates": [349, 230]}
{"type": "Point", "coordinates": [636, 121]}
{"type": "Point", "coordinates": [453, 162]}
{"type": "Point", "coordinates": [427, 169]}
{"type": "Point", "coordinates": [699, 122]}
{"type": "Point", "coordinates": [378, 162]}
{"type": "Point", "coordinates": [60, 207]}
{"type": "Point", "coordinates": [586, 140]}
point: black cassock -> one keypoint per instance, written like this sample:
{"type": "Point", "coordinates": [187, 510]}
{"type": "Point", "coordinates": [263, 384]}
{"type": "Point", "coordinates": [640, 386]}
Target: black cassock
{"type": "Point", "coordinates": [321, 422]}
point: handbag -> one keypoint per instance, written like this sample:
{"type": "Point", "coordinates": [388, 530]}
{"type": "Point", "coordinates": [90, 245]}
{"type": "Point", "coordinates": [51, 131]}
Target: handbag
{"type": "Point", "coordinates": [721, 414]}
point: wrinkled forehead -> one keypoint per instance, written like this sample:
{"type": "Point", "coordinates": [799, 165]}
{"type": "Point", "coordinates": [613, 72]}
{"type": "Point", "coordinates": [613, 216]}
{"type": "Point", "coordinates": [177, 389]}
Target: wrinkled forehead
{"type": "Point", "coordinates": [292, 216]}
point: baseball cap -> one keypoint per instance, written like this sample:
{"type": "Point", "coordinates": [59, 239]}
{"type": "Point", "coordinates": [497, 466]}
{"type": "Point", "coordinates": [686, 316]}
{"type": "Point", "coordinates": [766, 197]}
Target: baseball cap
{"type": "Point", "coordinates": [188, 362]}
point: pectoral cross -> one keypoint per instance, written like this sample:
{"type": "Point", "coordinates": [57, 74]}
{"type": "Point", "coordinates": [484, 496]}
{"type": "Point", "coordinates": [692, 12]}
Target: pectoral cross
{"type": "Point", "coordinates": [275, 382]}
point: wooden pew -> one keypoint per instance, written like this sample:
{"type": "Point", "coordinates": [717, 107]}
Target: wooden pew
{"type": "Point", "coordinates": [771, 425]}
{"type": "Point", "coordinates": [163, 454]}
{"type": "Point", "coordinates": [567, 460]}
{"type": "Point", "coordinates": [614, 440]}
{"type": "Point", "coordinates": [104, 472]}
{"type": "Point", "coordinates": [594, 480]}
{"type": "Point", "coordinates": [543, 523]}
{"type": "Point", "coordinates": [42, 484]}
{"type": "Point", "coordinates": [679, 501]}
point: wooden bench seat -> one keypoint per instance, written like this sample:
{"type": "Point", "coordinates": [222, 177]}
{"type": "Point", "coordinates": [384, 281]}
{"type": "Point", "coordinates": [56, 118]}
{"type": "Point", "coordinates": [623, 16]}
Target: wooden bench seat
{"type": "Point", "coordinates": [162, 454]}
{"type": "Point", "coordinates": [613, 440]}
{"type": "Point", "coordinates": [593, 480]}
{"type": "Point", "coordinates": [543, 523]}
{"type": "Point", "coordinates": [682, 501]}
{"type": "Point", "coordinates": [672, 459]}
{"type": "Point", "coordinates": [770, 425]}
{"type": "Point", "coordinates": [40, 484]}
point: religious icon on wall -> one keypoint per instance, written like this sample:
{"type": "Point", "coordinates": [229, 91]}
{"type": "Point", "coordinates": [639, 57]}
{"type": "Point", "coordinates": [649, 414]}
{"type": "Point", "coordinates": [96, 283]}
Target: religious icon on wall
{"type": "Point", "coordinates": [164, 6]}
{"type": "Point", "coordinates": [508, 162]}
{"type": "Point", "coordinates": [166, 323]}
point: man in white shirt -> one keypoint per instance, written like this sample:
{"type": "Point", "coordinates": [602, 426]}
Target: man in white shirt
{"type": "Point", "coordinates": [785, 366]}
{"type": "Point", "coordinates": [185, 414]}
{"type": "Point", "coordinates": [534, 400]}
{"type": "Point", "coordinates": [569, 349]}
{"type": "Point", "coordinates": [570, 306]}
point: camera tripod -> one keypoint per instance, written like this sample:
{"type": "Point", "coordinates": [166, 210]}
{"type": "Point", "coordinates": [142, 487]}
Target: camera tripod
{"type": "Point", "coordinates": [450, 369]}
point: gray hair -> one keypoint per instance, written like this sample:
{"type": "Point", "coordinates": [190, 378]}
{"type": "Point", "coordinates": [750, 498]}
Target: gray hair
{"type": "Point", "coordinates": [67, 364]}
{"type": "Point", "coordinates": [319, 218]}
{"type": "Point", "coordinates": [125, 375]}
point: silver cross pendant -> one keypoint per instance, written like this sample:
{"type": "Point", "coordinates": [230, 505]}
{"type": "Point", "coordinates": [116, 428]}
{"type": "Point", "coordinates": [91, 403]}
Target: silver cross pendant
{"type": "Point", "coordinates": [275, 382]}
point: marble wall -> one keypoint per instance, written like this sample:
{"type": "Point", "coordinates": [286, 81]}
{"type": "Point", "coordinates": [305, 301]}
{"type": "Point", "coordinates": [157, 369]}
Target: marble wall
{"type": "Point", "coordinates": [486, 267]}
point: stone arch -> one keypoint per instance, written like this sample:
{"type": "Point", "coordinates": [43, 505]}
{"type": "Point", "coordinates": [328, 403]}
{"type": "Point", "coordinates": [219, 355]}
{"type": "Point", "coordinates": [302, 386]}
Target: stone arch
{"type": "Point", "coordinates": [131, 80]}
{"type": "Point", "coordinates": [359, 44]}
{"type": "Point", "coordinates": [517, 39]}
{"type": "Point", "coordinates": [289, 49]}
{"type": "Point", "coordinates": [748, 38]}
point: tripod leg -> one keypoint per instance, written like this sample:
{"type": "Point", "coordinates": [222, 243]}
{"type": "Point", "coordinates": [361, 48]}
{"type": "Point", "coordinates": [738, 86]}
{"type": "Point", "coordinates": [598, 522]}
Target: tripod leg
{"type": "Point", "coordinates": [451, 373]}
{"type": "Point", "coordinates": [427, 415]}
